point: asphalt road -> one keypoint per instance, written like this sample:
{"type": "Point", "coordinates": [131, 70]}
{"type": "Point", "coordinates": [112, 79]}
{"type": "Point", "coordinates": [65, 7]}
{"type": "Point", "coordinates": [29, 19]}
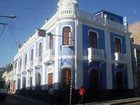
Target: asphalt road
{"type": "Point", "coordinates": [12, 100]}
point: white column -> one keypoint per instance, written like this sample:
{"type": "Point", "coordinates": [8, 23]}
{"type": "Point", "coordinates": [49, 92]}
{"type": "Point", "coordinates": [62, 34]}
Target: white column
{"type": "Point", "coordinates": [27, 79]}
{"type": "Point", "coordinates": [33, 77]}
{"type": "Point", "coordinates": [43, 76]}
{"type": "Point", "coordinates": [129, 66]}
{"type": "Point", "coordinates": [108, 59]}
{"type": "Point", "coordinates": [21, 80]}
{"type": "Point", "coordinates": [16, 82]}
{"type": "Point", "coordinates": [79, 56]}
{"type": "Point", "coordinates": [57, 54]}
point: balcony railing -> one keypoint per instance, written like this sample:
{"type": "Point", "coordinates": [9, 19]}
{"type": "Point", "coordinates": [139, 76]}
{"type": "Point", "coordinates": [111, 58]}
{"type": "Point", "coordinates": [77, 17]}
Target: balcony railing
{"type": "Point", "coordinates": [120, 58]}
{"type": "Point", "coordinates": [49, 56]}
{"type": "Point", "coordinates": [115, 26]}
{"type": "Point", "coordinates": [95, 54]}
{"type": "Point", "coordinates": [102, 21]}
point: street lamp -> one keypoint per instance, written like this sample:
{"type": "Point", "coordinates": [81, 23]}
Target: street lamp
{"type": "Point", "coordinates": [9, 16]}
{"type": "Point", "coordinates": [3, 23]}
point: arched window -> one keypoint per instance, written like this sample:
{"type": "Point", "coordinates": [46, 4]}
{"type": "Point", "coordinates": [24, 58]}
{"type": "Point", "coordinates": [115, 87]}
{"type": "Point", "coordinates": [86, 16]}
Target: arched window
{"type": "Point", "coordinates": [119, 80]}
{"type": "Point", "coordinates": [117, 45]}
{"type": "Point", "coordinates": [40, 49]}
{"type": "Point", "coordinates": [20, 63]}
{"type": "Point", "coordinates": [38, 81]}
{"type": "Point", "coordinates": [51, 42]}
{"type": "Point", "coordinates": [66, 77]}
{"type": "Point", "coordinates": [25, 60]}
{"type": "Point", "coordinates": [94, 79]}
{"type": "Point", "coordinates": [32, 55]}
{"type": "Point", "coordinates": [18, 85]}
{"type": "Point", "coordinates": [92, 39]}
{"type": "Point", "coordinates": [24, 83]}
{"type": "Point", "coordinates": [67, 36]}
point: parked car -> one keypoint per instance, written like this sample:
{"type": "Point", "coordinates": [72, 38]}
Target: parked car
{"type": "Point", "coordinates": [3, 90]}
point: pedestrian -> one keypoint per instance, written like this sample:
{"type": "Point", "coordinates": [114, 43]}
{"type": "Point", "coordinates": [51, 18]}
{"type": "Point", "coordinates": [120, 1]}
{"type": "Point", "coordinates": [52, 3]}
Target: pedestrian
{"type": "Point", "coordinates": [82, 93]}
{"type": "Point", "coordinates": [51, 95]}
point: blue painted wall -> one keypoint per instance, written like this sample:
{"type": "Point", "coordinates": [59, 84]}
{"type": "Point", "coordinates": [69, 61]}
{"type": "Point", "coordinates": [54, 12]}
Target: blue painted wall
{"type": "Point", "coordinates": [86, 65]}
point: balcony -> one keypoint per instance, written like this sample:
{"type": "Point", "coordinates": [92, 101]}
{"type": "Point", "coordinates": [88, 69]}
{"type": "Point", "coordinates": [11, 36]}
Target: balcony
{"type": "Point", "coordinates": [95, 54]}
{"type": "Point", "coordinates": [30, 64]}
{"type": "Point", "coordinates": [120, 58]}
{"type": "Point", "coordinates": [27, 66]}
{"type": "Point", "coordinates": [49, 56]}
{"type": "Point", "coordinates": [38, 61]}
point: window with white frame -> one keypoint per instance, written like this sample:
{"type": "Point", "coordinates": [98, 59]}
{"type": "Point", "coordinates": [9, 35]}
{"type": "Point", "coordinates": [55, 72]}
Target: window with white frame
{"type": "Point", "coordinates": [51, 42]}
{"type": "Point", "coordinates": [118, 45]}
{"type": "Point", "coordinates": [25, 60]}
{"type": "Point", "coordinates": [32, 54]}
{"type": "Point", "coordinates": [93, 39]}
{"type": "Point", "coordinates": [67, 36]}
{"type": "Point", "coordinates": [20, 63]}
{"type": "Point", "coordinates": [40, 49]}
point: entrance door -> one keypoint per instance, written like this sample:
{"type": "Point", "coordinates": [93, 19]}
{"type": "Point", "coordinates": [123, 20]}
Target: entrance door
{"type": "Point", "coordinates": [38, 81]}
{"type": "Point", "coordinates": [30, 81]}
{"type": "Point", "coordinates": [119, 80]}
{"type": "Point", "coordinates": [14, 86]}
{"type": "Point", "coordinates": [66, 77]}
{"type": "Point", "coordinates": [94, 79]}
{"type": "Point", "coordinates": [50, 80]}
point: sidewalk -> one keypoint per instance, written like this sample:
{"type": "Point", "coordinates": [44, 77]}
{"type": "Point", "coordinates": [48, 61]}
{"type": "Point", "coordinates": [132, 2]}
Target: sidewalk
{"type": "Point", "coordinates": [116, 102]}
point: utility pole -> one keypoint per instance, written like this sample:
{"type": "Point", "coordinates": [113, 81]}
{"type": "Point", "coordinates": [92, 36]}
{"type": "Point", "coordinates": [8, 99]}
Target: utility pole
{"type": "Point", "coordinates": [73, 69]}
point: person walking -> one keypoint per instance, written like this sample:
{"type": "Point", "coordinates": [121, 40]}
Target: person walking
{"type": "Point", "coordinates": [82, 93]}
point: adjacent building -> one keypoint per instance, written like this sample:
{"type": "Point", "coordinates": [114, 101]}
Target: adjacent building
{"type": "Point", "coordinates": [9, 75]}
{"type": "Point", "coordinates": [76, 48]}
{"type": "Point", "coordinates": [134, 29]}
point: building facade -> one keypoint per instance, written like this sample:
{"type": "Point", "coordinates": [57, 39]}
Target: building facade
{"type": "Point", "coordinates": [134, 29]}
{"type": "Point", "coordinates": [77, 49]}
{"type": "Point", "coordinates": [9, 75]}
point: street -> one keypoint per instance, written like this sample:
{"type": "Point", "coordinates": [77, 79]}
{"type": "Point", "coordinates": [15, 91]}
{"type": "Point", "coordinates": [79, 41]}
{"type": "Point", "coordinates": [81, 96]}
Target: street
{"type": "Point", "coordinates": [18, 100]}
{"type": "Point", "coordinates": [12, 100]}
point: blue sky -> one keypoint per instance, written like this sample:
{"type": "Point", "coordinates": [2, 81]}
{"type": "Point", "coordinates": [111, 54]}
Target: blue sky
{"type": "Point", "coordinates": [31, 14]}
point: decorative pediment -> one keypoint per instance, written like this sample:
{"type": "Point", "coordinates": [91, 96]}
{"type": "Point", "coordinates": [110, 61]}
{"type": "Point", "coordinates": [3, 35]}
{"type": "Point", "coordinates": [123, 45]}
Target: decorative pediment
{"type": "Point", "coordinates": [67, 8]}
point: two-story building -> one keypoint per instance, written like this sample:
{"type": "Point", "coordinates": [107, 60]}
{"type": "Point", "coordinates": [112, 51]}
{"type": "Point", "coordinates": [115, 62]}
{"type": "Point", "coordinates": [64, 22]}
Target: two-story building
{"type": "Point", "coordinates": [77, 49]}
{"type": "Point", "coordinates": [134, 29]}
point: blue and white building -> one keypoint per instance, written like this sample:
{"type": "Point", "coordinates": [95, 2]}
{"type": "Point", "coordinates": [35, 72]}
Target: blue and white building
{"type": "Point", "coordinates": [91, 50]}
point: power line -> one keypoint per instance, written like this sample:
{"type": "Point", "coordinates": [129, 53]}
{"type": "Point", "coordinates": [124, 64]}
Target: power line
{"type": "Point", "coordinates": [11, 33]}
{"type": "Point", "coordinates": [2, 30]}
{"type": "Point", "coordinates": [19, 28]}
